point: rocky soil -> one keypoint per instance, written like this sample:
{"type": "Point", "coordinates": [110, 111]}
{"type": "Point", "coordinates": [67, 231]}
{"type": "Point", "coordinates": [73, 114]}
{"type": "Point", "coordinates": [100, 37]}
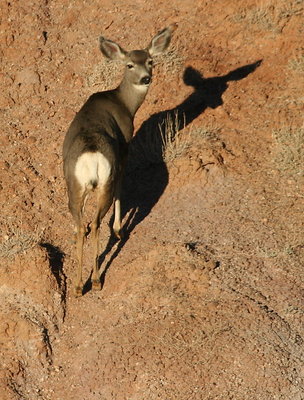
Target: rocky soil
{"type": "Point", "coordinates": [203, 298]}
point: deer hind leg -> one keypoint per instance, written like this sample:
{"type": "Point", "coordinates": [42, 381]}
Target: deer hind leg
{"type": "Point", "coordinates": [76, 205]}
{"type": "Point", "coordinates": [79, 254]}
{"type": "Point", "coordinates": [104, 201]}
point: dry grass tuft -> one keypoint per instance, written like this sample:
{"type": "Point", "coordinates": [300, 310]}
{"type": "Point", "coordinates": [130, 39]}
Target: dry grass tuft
{"type": "Point", "coordinates": [269, 15]}
{"type": "Point", "coordinates": [174, 143]}
{"type": "Point", "coordinates": [289, 156]}
{"type": "Point", "coordinates": [18, 241]}
{"type": "Point", "coordinates": [296, 64]}
{"type": "Point", "coordinates": [209, 133]}
{"type": "Point", "coordinates": [172, 61]}
{"type": "Point", "coordinates": [105, 75]}
{"type": "Point", "coordinates": [168, 140]}
{"type": "Point", "coordinates": [160, 141]}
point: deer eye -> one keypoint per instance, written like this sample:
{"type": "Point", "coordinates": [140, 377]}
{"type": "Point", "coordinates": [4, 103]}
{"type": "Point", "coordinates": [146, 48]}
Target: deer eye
{"type": "Point", "coordinates": [130, 66]}
{"type": "Point", "coordinates": [150, 63]}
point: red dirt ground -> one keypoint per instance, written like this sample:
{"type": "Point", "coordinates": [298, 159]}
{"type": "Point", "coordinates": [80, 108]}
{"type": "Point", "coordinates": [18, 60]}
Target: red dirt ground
{"type": "Point", "coordinates": [203, 299]}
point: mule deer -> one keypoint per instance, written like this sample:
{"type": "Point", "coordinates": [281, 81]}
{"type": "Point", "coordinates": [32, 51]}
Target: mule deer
{"type": "Point", "coordinates": [96, 144]}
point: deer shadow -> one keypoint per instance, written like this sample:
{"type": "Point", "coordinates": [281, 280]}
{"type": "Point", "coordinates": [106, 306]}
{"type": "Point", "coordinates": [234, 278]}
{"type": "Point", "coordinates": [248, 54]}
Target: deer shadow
{"type": "Point", "coordinates": [56, 258]}
{"type": "Point", "coordinates": [146, 175]}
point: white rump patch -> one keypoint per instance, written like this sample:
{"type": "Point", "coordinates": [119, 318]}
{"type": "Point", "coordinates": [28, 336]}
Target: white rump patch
{"type": "Point", "coordinates": [92, 169]}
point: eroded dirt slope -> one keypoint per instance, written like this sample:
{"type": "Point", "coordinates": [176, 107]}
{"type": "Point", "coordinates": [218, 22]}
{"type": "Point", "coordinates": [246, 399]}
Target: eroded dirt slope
{"type": "Point", "coordinates": [203, 299]}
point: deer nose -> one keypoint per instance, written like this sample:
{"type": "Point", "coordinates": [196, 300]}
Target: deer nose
{"type": "Point", "coordinates": [145, 80]}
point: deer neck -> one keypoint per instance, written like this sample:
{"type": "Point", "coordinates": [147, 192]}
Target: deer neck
{"type": "Point", "coordinates": [132, 96]}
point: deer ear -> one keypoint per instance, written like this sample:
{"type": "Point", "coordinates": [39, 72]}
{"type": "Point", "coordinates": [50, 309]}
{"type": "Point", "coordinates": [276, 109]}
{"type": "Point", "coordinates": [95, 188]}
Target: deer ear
{"type": "Point", "coordinates": [161, 41]}
{"type": "Point", "coordinates": [111, 49]}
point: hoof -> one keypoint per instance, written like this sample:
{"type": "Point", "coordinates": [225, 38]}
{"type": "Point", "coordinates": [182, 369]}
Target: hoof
{"type": "Point", "coordinates": [78, 291]}
{"type": "Point", "coordinates": [96, 285]}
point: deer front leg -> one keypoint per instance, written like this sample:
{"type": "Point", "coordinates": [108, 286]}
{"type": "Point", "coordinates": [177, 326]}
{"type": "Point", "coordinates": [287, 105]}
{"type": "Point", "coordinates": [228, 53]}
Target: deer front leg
{"type": "Point", "coordinates": [117, 219]}
{"type": "Point", "coordinates": [95, 275]}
